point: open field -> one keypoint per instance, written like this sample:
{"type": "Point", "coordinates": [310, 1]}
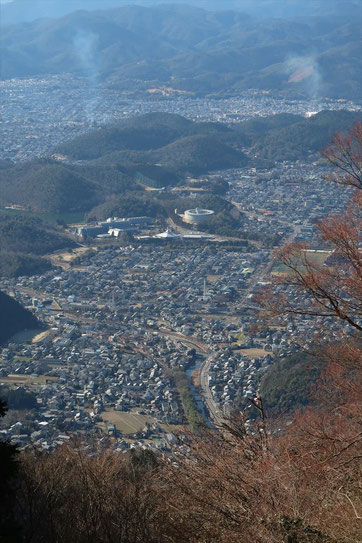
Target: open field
{"type": "Point", "coordinates": [25, 335]}
{"type": "Point", "coordinates": [126, 422]}
{"type": "Point", "coordinates": [22, 358]}
{"type": "Point", "coordinates": [253, 353]}
{"type": "Point", "coordinates": [174, 427]}
{"type": "Point", "coordinates": [241, 338]}
{"type": "Point", "coordinates": [315, 257]}
{"type": "Point", "coordinates": [27, 379]}
{"type": "Point", "coordinates": [213, 278]}
{"type": "Point", "coordinates": [64, 258]}
{"type": "Point", "coordinates": [229, 319]}
{"type": "Point", "coordinates": [18, 380]}
{"type": "Point", "coordinates": [41, 336]}
{"type": "Point", "coordinates": [195, 378]}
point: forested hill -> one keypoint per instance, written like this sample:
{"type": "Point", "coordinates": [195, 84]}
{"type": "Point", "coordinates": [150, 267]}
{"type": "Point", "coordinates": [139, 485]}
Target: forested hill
{"type": "Point", "coordinates": [23, 241]}
{"type": "Point", "coordinates": [150, 132]}
{"type": "Point", "coordinates": [45, 185]}
{"type": "Point", "coordinates": [14, 318]}
{"type": "Point", "coordinates": [290, 137]}
{"type": "Point", "coordinates": [156, 149]}
{"type": "Point", "coordinates": [186, 147]}
{"type": "Point", "coordinates": [194, 50]}
{"type": "Point", "coordinates": [160, 150]}
{"type": "Point", "coordinates": [20, 233]}
{"type": "Point", "coordinates": [287, 386]}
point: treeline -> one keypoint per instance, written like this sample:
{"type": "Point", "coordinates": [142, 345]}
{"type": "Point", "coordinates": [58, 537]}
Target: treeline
{"type": "Point", "coordinates": [18, 398]}
{"type": "Point", "coordinates": [139, 205]}
{"type": "Point", "coordinates": [192, 414]}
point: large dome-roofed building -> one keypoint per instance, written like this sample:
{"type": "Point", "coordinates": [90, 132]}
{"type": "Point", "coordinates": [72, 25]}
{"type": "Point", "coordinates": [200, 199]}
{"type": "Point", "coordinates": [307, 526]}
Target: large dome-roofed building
{"type": "Point", "coordinates": [197, 215]}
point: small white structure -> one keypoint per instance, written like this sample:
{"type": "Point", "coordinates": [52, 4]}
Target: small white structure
{"type": "Point", "coordinates": [167, 235]}
{"type": "Point", "coordinates": [115, 232]}
{"type": "Point", "coordinates": [197, 215]}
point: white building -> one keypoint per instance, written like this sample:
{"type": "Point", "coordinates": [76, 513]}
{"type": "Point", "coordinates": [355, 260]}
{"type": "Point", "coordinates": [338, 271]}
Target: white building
{"type": "Point", "coordinates": [197, 215]}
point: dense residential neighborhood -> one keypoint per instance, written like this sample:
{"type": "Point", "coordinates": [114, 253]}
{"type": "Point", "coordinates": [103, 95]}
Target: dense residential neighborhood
{"type": "Point", "coordinates": [120, 324]}
{"type": "Point", "coordinates": [124, 322]}
{"type": "Point", "coordinates": [40, 112]}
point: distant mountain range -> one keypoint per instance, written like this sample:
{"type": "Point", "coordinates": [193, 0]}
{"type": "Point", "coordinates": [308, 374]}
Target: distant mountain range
{"type": "Point", "coordinates": [15, 11]}
{"type": "Point", "coordinates": [190, 49]}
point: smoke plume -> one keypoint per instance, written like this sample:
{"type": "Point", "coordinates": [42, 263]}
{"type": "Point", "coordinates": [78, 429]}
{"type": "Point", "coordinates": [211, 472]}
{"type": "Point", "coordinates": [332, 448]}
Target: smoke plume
{"type": "Point", "coordinates": [85, 45]}
{"type": "Point", "coordinates": [304, 71]}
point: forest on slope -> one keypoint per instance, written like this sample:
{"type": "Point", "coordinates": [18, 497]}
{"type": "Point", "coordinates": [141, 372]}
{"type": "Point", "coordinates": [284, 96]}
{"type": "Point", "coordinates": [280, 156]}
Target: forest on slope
{"type": "Point", "coordinates": [159, 150]}
{"type": "Point", "coordinates": [304, 138]}
{"type": "Point", "coordinates": [23, 241]}
{"type": "Point", "coordinates": [14, 318]}
{"type": "Point", "coordinates": [290, 383]}
{"type": "Point", "coordinates": [158, 135]}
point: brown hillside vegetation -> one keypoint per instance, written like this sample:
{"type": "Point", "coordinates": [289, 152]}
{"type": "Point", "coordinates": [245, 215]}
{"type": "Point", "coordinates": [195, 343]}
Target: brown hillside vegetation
{"type": "Point", "coordinates": [301, 487]}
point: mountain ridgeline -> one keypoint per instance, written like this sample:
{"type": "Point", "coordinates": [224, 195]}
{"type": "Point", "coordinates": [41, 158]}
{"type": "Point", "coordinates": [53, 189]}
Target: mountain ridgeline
{"type": "Point", "coordinates": [190, 49]}
{"type": "Point", "coordinates": [18, 11]}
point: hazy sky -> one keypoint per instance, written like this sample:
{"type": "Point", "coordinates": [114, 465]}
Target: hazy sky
{"type": "Point", "coordinates": [27, 10]}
